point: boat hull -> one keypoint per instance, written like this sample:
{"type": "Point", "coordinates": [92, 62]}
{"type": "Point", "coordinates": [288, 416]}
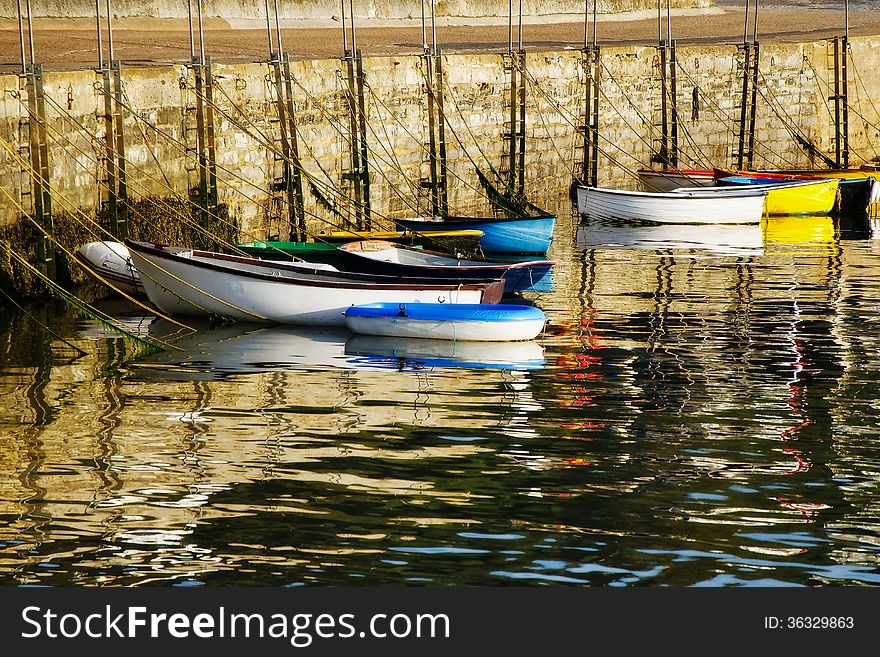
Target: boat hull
{"type": "Point", "coordinates": [683, 207]}
{"type": "Point", "coordinates": [504, 235]}
{"type": "Point", "coordinates": [859, 191]}
{"type": "Point", "coordinates": [466, 322]}
{"type": "Point", "coordinates": [379, 257]}
{"type": "Point", "coordinates": [111, 262]}
{"type": "Point", "coordinates": [793, 197]}
{"type": "Point", "coordinates": [200, 283]}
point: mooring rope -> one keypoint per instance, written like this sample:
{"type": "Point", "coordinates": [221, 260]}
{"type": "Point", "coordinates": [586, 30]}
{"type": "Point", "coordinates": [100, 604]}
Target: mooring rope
{"type": "Point", "coordinates": [611, 158]}
{"type": "Point", "coordinates": [43, 326]}
{"type": "Point", "coordinates": [88, 309]}
{"type": "Point", "coordinates": [74, 211]}
{"type": "Point", "coordinates": [187, 219]}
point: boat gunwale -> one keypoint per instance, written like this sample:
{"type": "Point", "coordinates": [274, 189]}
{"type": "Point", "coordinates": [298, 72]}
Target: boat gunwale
{"type": "Point", "coordinates": [488, 264]}
{"type": "Point", "coordinates": [474, 220]}
{"type": "Point", "coordinates": [680, 193]}
{"type": "Point", "coordinates": [325, 278]}
{"type": "Point", "coordinates": [782, 184]}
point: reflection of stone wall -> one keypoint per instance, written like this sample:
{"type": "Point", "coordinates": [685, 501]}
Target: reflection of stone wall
{"type": "Point", "coordinates": [135, 461]}
{"type": "Point", "coordinates": [794, 77]}
{"type": "Point", "coordinates": [324, 9]}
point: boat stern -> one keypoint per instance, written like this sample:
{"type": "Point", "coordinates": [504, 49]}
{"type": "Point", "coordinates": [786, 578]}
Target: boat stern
{"type": "Point", "coordinates": [493, 292]}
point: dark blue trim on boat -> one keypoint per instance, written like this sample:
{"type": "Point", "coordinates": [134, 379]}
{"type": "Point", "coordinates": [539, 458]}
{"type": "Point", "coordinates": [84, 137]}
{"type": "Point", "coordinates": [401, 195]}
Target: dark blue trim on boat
{"type": "Point", "coordinates": [473, 312]}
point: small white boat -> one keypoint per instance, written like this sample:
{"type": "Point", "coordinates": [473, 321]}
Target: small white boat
{"type": "Point", "coordinates": [684, 206]}
{"type": "Point", "coordinates": [469, 322]}
{"type": "Point", "coordinates": [112, 262]}
{"type": "Point", "coordinates": [202, 283]}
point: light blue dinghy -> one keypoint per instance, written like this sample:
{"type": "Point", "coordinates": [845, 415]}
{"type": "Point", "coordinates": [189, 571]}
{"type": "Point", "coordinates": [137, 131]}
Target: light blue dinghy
{"type": "Point", "coordinates": [447, 321]}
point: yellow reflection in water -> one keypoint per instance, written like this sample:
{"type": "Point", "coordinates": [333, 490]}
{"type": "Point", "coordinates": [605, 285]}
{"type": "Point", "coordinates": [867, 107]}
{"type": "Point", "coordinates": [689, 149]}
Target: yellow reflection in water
{"type": "Point", "coordinates": [796, 229]}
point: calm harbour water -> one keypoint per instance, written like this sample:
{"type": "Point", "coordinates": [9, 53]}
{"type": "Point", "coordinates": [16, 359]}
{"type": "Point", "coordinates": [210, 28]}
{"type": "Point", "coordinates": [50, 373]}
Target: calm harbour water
{"type": "Point", "coordinates": [696, 414]}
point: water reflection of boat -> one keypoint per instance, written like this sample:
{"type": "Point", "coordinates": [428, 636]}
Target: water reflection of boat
{"type": "Point", "coordinates": [405, 353]}
{"type": "Point", "coordinates": [219, 352]}
{"type": "Point", "coordinates": [728, 239]}
{"type": "Point", "coordinates": [216, 353]}
{"type": "Point", "coordinates": [818, 229]}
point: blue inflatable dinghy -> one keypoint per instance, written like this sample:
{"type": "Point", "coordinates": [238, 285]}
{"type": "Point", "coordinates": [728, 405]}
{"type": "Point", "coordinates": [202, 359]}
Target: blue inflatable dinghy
{"type": "Point", "coordinates": [447, 321]}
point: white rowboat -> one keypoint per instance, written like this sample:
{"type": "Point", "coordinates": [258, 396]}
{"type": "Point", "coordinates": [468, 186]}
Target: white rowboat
{"type": "Point", "coordinates": [202, 283]}
{"type": "Point", "coordinates": [685, 206]}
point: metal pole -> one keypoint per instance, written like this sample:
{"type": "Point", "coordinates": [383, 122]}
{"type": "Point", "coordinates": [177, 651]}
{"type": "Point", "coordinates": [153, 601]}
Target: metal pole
{"type": "Point", "coordinates": [846, 19]}
{"type": "Point", "coordinates": [424, 30]}
{"type": "Point", "coordinates": [586, 22]}
{"type": "Point", "coordinates": [673, 95]}
{"type": "Point", "coordinates": [594, 23]}
{"type": "Point", "coordinates": [755, 30]}
{"type": "Point", "coordinates": [192, 43]}
{"type": "Point", "coordinates": [509, 26]}
{"type": "Point", "coordinates": [845, 102]}
{"type": "Point", "coordinates": [353, 38]}
{"type": "Point", "coordinates": [201, 32]}
{"type": "Point", "coordinates": [668, 25]}
{"type": "Point", "coordinates": [837, 140]}
{"type": "Point", "coordinates": [659, 22]}
{"type": "Point", "coordinates": [519, 26]}
{"type": "Point", "coordinates": [746, 24]}
{"type": "Point", "coordinates": [269, 28]}
{"type": "Point", "coordinates": [756, 58]}
{"type": "Point", "coordinates": [344, 33]}
{"type": "Point", "coordinates": [110, 31]}
{"type": "Point", "coordinates": [433, 29]}
{"type": "Point", "coordinates": [278, 29]}
{"type": "Point", "coordinates": [21, 38]}
{"type": "Point", "coordinates": [100, 45]}
{"type": "Point", "coordinates": [30, 31]}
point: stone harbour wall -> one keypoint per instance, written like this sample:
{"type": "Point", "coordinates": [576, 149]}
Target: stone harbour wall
{"type": "Point", "coordinates": [159, 120]}
{"type": "Point", "coordinates": [324, 9]}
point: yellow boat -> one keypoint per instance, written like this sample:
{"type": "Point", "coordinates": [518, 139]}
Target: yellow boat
{"type": "Point", "coordinates": [866, 171]}
{"type": "Point", "coordinates": [802, 197]}
{"type": "Point", "coordinates": [791, 196]}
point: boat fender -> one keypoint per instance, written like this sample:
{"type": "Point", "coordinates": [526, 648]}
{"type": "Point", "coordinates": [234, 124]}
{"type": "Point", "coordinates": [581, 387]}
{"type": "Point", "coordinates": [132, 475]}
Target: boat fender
{"type": "Point", "coordinates": [875, 191]}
